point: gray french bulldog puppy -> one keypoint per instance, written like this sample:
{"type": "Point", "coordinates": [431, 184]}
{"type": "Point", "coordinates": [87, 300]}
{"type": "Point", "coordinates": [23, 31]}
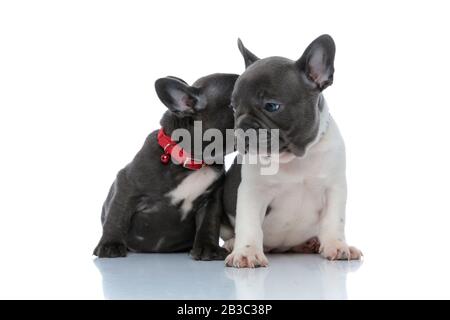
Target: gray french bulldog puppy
{"type": "Point", "coordinates": [157, 205]}
{"type": "Point", "coordinates": [300, 207]}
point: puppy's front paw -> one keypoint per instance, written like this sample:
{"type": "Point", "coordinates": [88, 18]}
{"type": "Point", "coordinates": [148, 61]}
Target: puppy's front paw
{"type": "Point", "coordinates": [246, 257]}
{"type": "Point", "coordinates": [339, 250]}
{"type": "Point", "coordinates": [208, 252]}
{"type": "Point", "coordinates": [110, 250]}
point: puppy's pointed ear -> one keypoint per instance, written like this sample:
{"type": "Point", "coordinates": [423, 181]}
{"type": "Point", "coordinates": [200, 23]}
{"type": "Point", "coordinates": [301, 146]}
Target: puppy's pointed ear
{"type": "Point", "coordinates": [177, 95]}
{"type": "Point", "coordinates": [249, 57]}
{"type": "Point", "coordinates": [317, 62]}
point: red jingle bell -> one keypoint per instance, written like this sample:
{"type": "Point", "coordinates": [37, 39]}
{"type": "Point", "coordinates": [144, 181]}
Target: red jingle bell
{"type": "Point", "coordinates": [165, 158]}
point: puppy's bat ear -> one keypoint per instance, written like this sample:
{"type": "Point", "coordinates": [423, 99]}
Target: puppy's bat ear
{"type": "Point", "coordinates": [317, 62]}
{"type": "Point", "coordinates": [178, 96]}
{"type": "Point", "coordinates": [176, 78]}
{"type": "Point", "coordinates": [249, 57]}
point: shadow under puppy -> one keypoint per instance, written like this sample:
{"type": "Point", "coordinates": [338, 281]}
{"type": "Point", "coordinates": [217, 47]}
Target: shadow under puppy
{"type": "Point", "coordinates": [159, 205]}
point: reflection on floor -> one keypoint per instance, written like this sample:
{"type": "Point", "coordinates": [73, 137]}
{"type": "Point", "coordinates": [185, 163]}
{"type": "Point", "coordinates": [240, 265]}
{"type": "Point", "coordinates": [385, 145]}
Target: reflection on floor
{"type": "Point", "coordinates": [176, 276]}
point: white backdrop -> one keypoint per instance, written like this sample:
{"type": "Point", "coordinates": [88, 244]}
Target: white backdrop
{"type": "Point", "coordinates": [77, 101]}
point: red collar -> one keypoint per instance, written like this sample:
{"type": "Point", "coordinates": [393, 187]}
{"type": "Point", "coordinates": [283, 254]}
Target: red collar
{"type": "Point", "coordinates": [174, 151]}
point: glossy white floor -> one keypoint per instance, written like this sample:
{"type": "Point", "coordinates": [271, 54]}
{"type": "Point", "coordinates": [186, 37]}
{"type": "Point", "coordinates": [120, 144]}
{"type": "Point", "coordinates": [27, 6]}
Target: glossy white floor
{"type": "Point", "coordinates": [173, 276]}
{"type": "Point", "coordinates": [176, 276]}
{"type": "Point", "coordinates": [289, 276]}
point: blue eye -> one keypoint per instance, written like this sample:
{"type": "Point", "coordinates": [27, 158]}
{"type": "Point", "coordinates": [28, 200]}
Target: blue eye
{"type": "Point", "coordinates": [271, 106]}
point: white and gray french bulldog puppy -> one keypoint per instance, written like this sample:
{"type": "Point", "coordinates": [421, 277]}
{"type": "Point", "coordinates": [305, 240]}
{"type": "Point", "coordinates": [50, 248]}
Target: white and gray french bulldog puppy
{"type": "Point", "coordinates": [301, 207]}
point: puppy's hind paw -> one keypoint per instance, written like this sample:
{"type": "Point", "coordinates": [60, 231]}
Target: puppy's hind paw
{"type": "Point", "coordinates": [110, 250]}
{"type": "Point", "coordinates": [229, 245]}
{"type": "Point", "coordinates": [310, 246]}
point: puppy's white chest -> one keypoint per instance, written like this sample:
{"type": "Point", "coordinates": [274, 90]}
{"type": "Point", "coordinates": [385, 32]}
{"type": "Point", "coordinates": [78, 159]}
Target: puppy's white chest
{"type": "Point", "coordinates": [193, 186]}
{"type": "Point", "coordinates": [294, 213]}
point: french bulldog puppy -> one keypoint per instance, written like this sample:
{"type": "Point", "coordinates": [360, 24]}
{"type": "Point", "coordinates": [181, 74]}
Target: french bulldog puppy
{"type": "Point", "coordinates": [159, 205]}
{"type": "Point", "coordinates": [301, 207]}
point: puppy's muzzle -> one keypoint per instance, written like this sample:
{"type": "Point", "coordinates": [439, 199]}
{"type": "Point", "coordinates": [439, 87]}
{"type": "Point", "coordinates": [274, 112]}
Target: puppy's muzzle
{"type": "Point", "coordinates": [245, 126]}
{"type": "Point", "coordinates": [246, 122]}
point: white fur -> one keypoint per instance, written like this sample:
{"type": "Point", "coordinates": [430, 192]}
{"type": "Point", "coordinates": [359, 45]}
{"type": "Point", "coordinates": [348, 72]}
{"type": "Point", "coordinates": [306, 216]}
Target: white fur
{"type": "Point", "coordinates": [306, 197]}
{"type": "Point", "coordinates": [194, 185]}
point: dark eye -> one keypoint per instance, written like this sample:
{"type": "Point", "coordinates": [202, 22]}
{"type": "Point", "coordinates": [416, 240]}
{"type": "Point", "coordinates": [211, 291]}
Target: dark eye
{"type": "Point", "coordinates": [271, 106]}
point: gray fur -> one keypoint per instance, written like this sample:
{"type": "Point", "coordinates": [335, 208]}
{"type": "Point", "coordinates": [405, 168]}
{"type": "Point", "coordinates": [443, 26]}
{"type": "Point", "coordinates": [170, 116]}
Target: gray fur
{"type": "Point", "coordinates": [137, 215]}
{"type": "Point", "coordinates": [297, 86]}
